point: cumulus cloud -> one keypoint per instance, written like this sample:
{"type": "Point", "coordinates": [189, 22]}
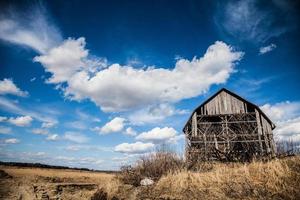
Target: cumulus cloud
{"type": "Point", "coordinates": [29, 29]}
{"type": "Point", "coordinates": [154, 114]}
{"type": "Point", "coordinates": [289, 129]}
{"type": "Point", "coordinates": [253, 21]}
{"type": "Point", "coordinates": [117, 88]}
{"type": "Point", "coordinates": [49, 136]}
{"type": "Point", "coordinates": [130, 131]}
{"type": "Point", "coordinates": [158, 135]}
{"type": "Point", "coordinates": [5, 130]}
{"type": "Point", "coordinates": [282, 111]}
{"type": "Point", "coordinates": [64, 60]}
{"type": "Point", "coordinates": [286, 116]}
{"type": "Point", "coordinates": [115, 125]}
{"type": "Point", "coordinates": [75, 137]}
{"type": "Point", "coordinates": [176, 139]}
{"type": "Point", "coordinates": [21, 121]}
{"type": "Point", "coordinates": [266, 49]}
{"type": "Point", "coordinates": [134, 148]}
{"type": "Point", "coordinates": [11, 141]}
{"type": "Point", "coordinates": [7, 86]}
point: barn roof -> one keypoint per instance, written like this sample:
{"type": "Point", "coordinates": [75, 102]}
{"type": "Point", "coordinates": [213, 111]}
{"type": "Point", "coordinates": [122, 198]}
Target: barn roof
{"type": "Point", "coordinates": [236, 96]}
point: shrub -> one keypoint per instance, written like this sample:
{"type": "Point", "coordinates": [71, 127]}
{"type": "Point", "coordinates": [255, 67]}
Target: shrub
{"type": "Point", "coordinates": [152, 166]}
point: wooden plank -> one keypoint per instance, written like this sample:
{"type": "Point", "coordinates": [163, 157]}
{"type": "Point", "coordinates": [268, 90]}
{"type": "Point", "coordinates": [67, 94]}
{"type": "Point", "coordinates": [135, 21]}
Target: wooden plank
{"type": "Point", "coordinates": [194, 124]}
{"type": "Point", "coordinates": [259, 130]}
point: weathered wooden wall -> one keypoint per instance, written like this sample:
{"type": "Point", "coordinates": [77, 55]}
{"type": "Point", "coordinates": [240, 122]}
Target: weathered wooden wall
{"type": "Point", "coordinates": [227, 124]}
{"type": "Point", "coordinates": [265, 132]}
{"type": "Point", "coordinates": [223, 103]}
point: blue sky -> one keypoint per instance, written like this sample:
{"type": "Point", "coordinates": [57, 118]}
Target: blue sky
{"type": "Point", "coordinates": [98, 84]}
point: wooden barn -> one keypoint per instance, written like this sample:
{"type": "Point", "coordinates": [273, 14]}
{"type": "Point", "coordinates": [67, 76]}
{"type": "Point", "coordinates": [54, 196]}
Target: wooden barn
{"type": "Point", "coordinates": [227, 127]}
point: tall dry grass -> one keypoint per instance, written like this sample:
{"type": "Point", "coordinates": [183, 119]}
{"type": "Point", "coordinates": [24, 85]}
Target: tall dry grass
{"type": "Point", "coordinates": [276, 179]}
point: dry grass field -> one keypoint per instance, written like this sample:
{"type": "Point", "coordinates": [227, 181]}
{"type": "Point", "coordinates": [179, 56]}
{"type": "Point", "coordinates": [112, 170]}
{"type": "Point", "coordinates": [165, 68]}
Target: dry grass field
{"type": "Point", "coordinates": [36, 183]}
{"type": "Point", "coordinates": [276, 179]}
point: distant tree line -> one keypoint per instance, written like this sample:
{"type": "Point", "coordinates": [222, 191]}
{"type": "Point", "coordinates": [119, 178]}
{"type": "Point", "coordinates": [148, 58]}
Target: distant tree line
{"type": "Point", "coordinates": [40, 165]}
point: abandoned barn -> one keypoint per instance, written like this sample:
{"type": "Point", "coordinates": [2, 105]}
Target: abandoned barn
{"type": "Point", "coordinates": [227, 127]}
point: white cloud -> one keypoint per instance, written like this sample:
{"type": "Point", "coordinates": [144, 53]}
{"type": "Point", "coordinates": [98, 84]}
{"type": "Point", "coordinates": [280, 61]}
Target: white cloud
{"type": "Point", "coordinates": [158, 135]}
{"type": "Point", "coordinates": [29, 29]}
{"type": "Point", "coordinates": [154, 114]}
{"type": "Point", "coordinates": [134, 148]}
{"type": "Point", "coordinates": [266, 49]}
{"type": "Point", "coordinates": [117, 88]}
{"type": "Point", "coordinates": [21, 121]}
{"type": "Point", "coordinates": [289, 130]}
{"type": "Point", "coordinates": [39, 131]}
{"type": "Point", "coordinates": [7, 86]}
{"type": "Point", "coordinates": [5, 130]}
{"type": "Point", "coordinates": [11, 141]}
{"type": "Point", "coordinates": [76, 137]}
{"type": "Point", "coordinates": [65, 60]}
{"type": "Point", "coordinates": [282, 111]}
{"type": "Point", "coordinates": [115, 125]}
{"type": "Point", "coordinates": [37, 112]}
{"type": "Point", "coordinates": [130, 131]}
{"type": "Point", "coordinates": [52, 137]}
{"type": "Point", "coordinates": [177, 138]}
{"type": "Point", "coordinates": [248, 20]}
{"type": "Point", "coordinates": [49, 124]}
{"type": "Point", "coordinates": [3, 119]}
{"type": "Point", "coordinates": [40, 153]}
{"type": "Point", "coordinates": [286, 116]}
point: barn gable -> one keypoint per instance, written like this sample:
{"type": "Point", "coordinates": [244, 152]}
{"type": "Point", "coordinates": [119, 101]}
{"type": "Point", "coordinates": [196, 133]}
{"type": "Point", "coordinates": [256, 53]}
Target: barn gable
{"type": "Point", "coordinates": [224, 103]}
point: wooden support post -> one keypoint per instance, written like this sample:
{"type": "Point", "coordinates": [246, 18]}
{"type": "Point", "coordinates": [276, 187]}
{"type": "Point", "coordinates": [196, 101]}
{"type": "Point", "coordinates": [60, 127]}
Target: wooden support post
{"type": "Point", "coordinates": [216, 142]}
{"type": "Point", "coordinates": [194, 125]}
{"type": "Point", "coordinates": [227, 133]}
{"type": "Point", "coordinates": [205, 146]}
{"type": "Point", "coordinates": [259, 131]}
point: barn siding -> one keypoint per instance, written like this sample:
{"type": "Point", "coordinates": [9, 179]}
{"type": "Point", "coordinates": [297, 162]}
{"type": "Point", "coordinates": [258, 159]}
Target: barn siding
{"type": "Point", "coordinates": [259, 130]}
{"type": "Point", "coordinates": [223, 103]}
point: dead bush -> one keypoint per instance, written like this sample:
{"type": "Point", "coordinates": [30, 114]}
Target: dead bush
{"type": "Point", "coordinates": [3, 174]}
{"type": "Point", "coordinates": [151, 166]}
{"type": "Point", "coordinates": [99, 195]}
